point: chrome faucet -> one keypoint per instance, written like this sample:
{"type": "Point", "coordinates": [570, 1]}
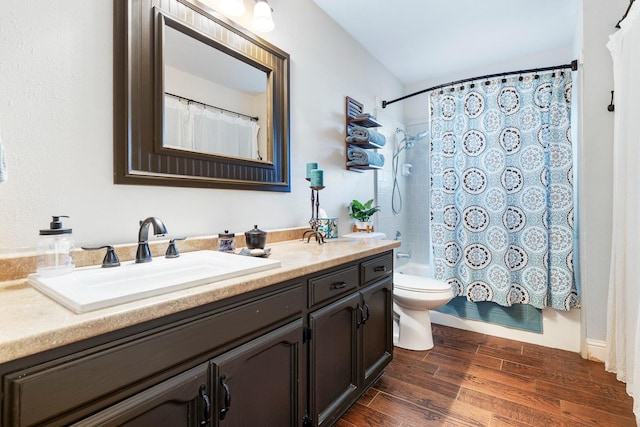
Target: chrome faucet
{"type": "Point", "coordinates": [143, 254]}
{"type": "Point", "coordinates": [403, 255]}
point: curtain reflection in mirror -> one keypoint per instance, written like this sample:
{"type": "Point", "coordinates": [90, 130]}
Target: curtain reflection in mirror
{"type": "Point", "coordinates": [196, 127]}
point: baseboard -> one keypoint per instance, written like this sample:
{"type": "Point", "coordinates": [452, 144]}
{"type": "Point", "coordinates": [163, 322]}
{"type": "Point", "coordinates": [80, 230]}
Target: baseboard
{"type": "Point", "coordinates": [596, 350]}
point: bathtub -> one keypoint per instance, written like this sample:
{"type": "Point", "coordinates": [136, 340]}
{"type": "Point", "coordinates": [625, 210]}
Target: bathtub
{"type": "Point", "coordinates": [418, 277]}
{"type": "Point", "coordinates": [415, 269]}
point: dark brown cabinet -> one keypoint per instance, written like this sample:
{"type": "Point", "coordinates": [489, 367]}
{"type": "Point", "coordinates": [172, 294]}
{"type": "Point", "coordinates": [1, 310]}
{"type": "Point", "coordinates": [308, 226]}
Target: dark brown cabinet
{"type": "Point", "coordinates": [296, 353]}
{"type": "Point", "coordinates": [180, 401]}
{"type": "Point", "coordinates": [261, 383]}
{"type": "Point", "coordinates": [377, 330]}
{"type": "Point", "coordinates": [351, 343]}
{"type": "Point", "coordinates": [334, 358]}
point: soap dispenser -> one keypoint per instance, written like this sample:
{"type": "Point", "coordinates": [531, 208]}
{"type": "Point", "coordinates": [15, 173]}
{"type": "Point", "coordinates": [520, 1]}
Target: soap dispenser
{"type": "Point", "coordinates": [55, 249]}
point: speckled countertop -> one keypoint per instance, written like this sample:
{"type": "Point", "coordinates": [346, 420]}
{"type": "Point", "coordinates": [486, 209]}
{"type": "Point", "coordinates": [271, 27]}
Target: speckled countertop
{"type": "Point", "coordinates": [32, 322]}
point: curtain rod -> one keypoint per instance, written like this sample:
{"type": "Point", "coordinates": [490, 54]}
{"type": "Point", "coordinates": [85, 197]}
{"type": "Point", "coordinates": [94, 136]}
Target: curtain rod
{"type": "Point", "coordinates": [625, 14]}
{"type": "Point", "coordinates": [573, 65]}
{"type": "Point", "coordinates": [213, 106]}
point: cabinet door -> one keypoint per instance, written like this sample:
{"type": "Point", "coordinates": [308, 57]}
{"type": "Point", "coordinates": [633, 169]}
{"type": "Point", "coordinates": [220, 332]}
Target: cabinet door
{"type": "Point", "coordinates": [334, 350]}
{"type": "Point", "coordinates": [180, 401]}
{"type": "Point", "coordinates": [261, 383]}
{"type": "Point", "coordinates": [377, 329]}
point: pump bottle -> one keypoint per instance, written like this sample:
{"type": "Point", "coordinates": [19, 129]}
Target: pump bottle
{"type": "Point", "coordinates": [55, 249]}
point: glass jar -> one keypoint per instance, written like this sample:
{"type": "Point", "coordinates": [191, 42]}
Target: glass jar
{"type": "Point", "coordinates": [227, 241]}
{"type": "Point", "coordinates": [55, 249]}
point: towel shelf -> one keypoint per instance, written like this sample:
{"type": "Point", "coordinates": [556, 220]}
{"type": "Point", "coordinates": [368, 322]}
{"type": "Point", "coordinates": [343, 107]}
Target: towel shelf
{"type": "Point", "coordinates": [368, 144]}
{"type": "Point", "coordinates": [362, 168]}
{"type": "Point", "coordinates": [367, 122]}
{"type": "Point", "coordinates": [353, 110]}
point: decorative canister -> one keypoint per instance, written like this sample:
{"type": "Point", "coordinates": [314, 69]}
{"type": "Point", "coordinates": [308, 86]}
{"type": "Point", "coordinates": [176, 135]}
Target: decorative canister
{"type": "Point", "coordinates": [227, 241]}
{"type": "Point", "coordinates": [328, 227]}
{"type": "Point", "coordinates": [256, 238]}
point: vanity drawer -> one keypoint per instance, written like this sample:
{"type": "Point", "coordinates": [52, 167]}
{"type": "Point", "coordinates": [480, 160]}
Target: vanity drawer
{"type": "Point", "coordinates": [327, 286]}
{"type": "Point", "coordinates": [74, 387]}
{"type": "Point", "coordinates": [376, 269]}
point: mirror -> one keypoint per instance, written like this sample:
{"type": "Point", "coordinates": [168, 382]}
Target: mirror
{"type": "Point", "coordinates": [198, 101]}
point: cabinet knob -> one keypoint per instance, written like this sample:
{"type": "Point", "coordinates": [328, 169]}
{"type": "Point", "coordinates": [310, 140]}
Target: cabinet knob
{"type": "Point", "coordinates": [339, 285]}
{"type": "Point", "coordinates": [379, 269]}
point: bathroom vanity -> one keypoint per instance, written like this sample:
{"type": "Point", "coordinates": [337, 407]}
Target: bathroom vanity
{"type": "Point", "coordinates": [295, 346]}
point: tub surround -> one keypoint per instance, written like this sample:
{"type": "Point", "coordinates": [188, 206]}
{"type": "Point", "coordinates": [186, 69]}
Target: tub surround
{"type": "Point", "coordinates": [34, 323]}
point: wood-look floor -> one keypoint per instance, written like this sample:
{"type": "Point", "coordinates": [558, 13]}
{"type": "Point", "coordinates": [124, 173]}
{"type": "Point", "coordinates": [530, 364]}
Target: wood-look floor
{"type": "Point", "coordinates": [471, 379]}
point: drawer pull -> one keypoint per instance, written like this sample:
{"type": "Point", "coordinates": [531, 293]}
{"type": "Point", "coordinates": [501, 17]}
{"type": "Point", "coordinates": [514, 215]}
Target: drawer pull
{"type": "Point", "coordinates": [380, 269]}
{"type": "Point", "coordinates": [339, 285]}
{"type": "Point", "coordinates": [207, 406]}
{"type": "Point", "coordinates": [227, 397]}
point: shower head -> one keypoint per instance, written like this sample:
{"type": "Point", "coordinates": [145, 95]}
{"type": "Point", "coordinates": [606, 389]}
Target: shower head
{"type": "Point", "coordinates": [408, 142]}
{"type": "Point", "coordinates": [413, 139]}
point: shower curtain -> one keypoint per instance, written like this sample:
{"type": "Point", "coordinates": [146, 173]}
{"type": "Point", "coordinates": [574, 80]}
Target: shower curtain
{"type": "Point", "coordinates": [193, 126]}
{"type": "Point", "coordinates": [623, 322]}
{"type": "Point", "coordinates": [502, 190]}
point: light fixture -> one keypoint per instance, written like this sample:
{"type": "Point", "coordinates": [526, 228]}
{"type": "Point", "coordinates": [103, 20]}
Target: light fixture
{"type": "Point", "coordinates": [232, 7]}
{"type": "Point", "coordinates": [262, 20]}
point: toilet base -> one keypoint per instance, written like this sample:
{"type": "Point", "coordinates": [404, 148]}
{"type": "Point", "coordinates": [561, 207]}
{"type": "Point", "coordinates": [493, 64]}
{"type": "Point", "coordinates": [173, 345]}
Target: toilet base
{"type": "Point", "coordinates": [414, 329]}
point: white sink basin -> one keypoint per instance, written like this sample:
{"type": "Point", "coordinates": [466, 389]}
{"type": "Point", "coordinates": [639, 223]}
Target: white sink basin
{"type": "Point", "coordinates": [91, 288]}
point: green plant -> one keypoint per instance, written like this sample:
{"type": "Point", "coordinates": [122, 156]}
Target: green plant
{"type": "Point", "coordinates": [362, 212]}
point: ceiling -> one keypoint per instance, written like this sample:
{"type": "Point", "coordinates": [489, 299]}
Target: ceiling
{"type": "Point", "coordinates": [419, 40]}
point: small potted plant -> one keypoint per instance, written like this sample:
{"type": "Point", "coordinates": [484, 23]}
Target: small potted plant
{"type": "Point", "coordinates": [362, 213]}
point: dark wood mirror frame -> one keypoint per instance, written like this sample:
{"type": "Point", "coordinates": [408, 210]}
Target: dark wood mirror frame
{"type": "Point", "coordinates": [139, 155]}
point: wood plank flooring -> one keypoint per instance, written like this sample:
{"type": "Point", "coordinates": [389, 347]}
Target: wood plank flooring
{"type": "Point", "coordinates": [471, 379]}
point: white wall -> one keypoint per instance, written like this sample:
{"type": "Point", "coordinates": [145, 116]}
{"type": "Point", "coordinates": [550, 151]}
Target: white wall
{"type": "Point", "coordinates": [56, 121]}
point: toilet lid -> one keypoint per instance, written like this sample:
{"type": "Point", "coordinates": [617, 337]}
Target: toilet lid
{"type": "Point", "coordinates": [419, 284]}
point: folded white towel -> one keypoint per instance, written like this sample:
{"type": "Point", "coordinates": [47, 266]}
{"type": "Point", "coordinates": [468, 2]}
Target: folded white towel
{"type": "Point", "coordinates": [3, 163]}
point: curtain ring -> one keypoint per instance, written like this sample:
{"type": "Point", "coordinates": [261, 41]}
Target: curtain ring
{"type": "Point", "coordinates": [461, 87]}
{"type": "Point", "coordinates": [472, 85]}
{"type": "Point", "coordinates": [487, 83]}
{"type": "Point", "coordinates": [504, 80]}
{"type": "Point", "coordinates": [453, 89]}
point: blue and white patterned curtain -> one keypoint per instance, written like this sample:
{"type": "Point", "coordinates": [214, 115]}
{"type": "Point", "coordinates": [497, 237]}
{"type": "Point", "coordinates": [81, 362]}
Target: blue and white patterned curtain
{"type": "Point", "coordinates": [502, 190]}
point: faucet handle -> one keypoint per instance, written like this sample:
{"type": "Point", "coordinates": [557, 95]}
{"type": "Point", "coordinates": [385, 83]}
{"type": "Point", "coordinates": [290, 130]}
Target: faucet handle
{"type": "Point", "coordinates": [172, 250]}
{"type": "Point", "coordinates": [110, 259]}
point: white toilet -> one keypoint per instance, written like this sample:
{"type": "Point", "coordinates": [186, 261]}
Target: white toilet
{"type": "Point", "coordinates": [413, 297]}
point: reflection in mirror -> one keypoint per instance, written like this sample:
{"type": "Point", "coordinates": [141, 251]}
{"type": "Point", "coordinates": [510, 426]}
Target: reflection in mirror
{"type": "Point", "coordinates": [214, 102]}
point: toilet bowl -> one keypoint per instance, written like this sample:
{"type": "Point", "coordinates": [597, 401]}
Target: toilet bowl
{"type": "Point", "coordinates": [413, 296]}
